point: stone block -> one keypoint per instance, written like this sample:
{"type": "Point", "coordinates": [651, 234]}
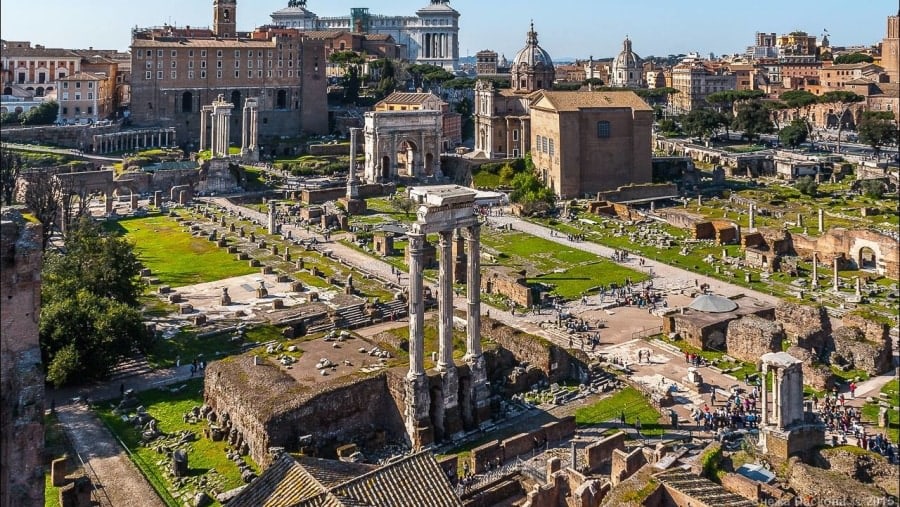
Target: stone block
{"type": "Point", "coordinates": [175, 297]}
{"type": "Point", "coordinates": [277, 304]}
{"type": "Point", "coordinates": [164, 289]}
{"type": "Point", "coordinates": [267, 270]}
{"type": "Point", "coordinates": [199, 319]}
{"type": "Point", "coordinates": [185, 309]}
{"type": "Point", "coordinates": [232, 249]}
{"type": "Point", "coordinates": [58, 470]}
{"type": "Point", "coordinates": [254, 263]}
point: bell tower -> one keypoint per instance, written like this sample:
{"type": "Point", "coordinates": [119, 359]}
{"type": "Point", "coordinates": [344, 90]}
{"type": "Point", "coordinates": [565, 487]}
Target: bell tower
{"type": "Point", "coordinates": [224, 15]}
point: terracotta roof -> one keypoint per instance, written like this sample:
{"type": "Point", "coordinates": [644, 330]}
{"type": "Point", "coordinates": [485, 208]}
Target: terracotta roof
{"type": "Point", "coordinates": [202, 43]}
{"type": "Point", "coordinates": [378, 36]}
{"type": "Point", "coordinates": [577, 100]}
{"type": "Point", "coordinates": [84, 76]}
{"type": "Point", "coordinates": [412, 98]}
{"type": "Point", "coordinates": [323, 34]}
{"type": "Point", "coordinates": [415, 480]}
{"type": "Point", "coordinates": [16, 52]}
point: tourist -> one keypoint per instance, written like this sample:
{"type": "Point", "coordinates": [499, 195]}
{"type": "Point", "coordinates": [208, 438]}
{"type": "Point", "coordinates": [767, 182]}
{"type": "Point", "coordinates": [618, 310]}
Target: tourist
{"type": "Point", "coordinates": [853, 390]}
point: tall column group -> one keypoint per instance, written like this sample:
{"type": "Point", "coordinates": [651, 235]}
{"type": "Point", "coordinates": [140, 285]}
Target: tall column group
{"type": "Point", "coordinates": [250, 130]}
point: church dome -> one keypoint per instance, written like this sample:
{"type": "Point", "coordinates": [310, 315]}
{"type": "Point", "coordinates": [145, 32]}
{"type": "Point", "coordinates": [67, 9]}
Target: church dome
{"type": "Point", "coordinates": [532, 54]}
{"type": "Point", "coordinates": [627, 66]}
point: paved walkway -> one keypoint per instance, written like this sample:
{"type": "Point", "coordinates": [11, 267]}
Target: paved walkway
{"type": "Point", "coordinates": [117, 480]}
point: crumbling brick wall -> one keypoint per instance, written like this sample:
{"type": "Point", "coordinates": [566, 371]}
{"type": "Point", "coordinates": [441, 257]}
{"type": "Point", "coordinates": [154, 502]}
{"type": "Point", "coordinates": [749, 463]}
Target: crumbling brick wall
{"type": "Point", "coordinates": [750, 337]}
{"type": "Point", "coordinates": [806, 326]}
{"type": "Point", "coordinates": [624, 464]}
{"type": "Point", "coordinates": [600, 453]}
{"type": "Point", "coordinates": [851, 345]}
{"type": "Point", "coordinates": [22, 388]}
{"type": "Point", "coordinates": [511, 284]}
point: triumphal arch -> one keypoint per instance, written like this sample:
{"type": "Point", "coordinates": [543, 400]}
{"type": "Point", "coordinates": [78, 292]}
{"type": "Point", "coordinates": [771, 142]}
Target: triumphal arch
{"type": "Point", "coordinates": [402, 143]}
{"type": "Point", "coordinates": [443, 210]}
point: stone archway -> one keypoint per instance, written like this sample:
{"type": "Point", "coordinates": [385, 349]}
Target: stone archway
{"type": "Point", "coordinates": [866, 259]}
{"type": "Point", "coordinates": [407, 157]}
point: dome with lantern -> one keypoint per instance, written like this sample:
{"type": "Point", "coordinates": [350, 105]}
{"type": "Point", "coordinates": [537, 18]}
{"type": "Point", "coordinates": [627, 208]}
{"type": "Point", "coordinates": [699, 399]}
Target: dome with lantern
{"type": "Point", "coordinates": [532, 68]}
{"type": "Point", "coordinates": [627, 68]}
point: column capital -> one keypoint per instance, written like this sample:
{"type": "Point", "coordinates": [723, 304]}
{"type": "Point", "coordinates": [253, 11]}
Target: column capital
{"type": "Point", "coordinates": [472, 233]}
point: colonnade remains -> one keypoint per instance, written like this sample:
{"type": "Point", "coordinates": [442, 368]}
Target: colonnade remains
{"type": "Point", "coordinates": [133, 140]}
{"type": "Point", "coordinates": [217, 119]}
{"type": "Point", "coordinates": [444, 210]}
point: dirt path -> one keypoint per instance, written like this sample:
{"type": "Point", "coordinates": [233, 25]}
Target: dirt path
{"type": "Point", "coordinates": [116, 478]}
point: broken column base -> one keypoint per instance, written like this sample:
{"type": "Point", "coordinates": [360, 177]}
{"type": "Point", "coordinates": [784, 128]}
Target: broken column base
{"type": "Point", "coordinates": [353, 206]}
{"type": "Point", "coordinates": [417, 417]}
{"type": "Point", "coordinates": [797, 440]}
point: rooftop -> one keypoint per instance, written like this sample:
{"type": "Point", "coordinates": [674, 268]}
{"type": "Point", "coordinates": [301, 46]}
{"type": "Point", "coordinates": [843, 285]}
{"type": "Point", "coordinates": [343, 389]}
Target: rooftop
{"type": "Point", "coordinates": [577, 100]}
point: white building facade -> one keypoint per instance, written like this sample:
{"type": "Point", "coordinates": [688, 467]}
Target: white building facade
{"type": "Point", "coordinates": [431, 36]}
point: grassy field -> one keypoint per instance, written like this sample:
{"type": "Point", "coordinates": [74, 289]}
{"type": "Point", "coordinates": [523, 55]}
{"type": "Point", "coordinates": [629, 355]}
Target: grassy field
{"type": "Point", "coordinates": [203, 455]}
{"type": "Point", "coordinates": [570, 271]}
{"type": "Point", "coordinates": [176, 257]}
{"type": "Point", "coordinates": [186, 345]}
{"type": "Point", "coordinates": [629, 400]}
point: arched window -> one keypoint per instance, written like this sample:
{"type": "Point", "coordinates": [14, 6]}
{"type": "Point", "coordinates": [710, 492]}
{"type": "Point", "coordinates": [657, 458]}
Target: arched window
{"type": "Point", "coordinates": [187, 102]}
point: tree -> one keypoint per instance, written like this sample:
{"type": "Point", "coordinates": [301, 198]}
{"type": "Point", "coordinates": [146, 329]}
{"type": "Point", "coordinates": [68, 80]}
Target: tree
{"type": "Point", "coordinates": [10, 166]}
{"type": "Point", "coordinates": [349, 62]}
{"type": "Point", "coordinates": [94, 261]}
{"type": "Point", "coordinates": [840, 100]}
{"type": "Point", "coordinates": [89, 318]}
{"type": "Point", "coordinates": [701, 122]}
{"type": "Point", "coordinates": [753, 118]}
{"type": "Point", "coordinates": [668, 127]}
{"type": "Point", "coordinates": [43, 196]}
{"type": "Point", "coordinates": [387, 81]}
{"type": "Point", "coordinates": [44, 114]}
{"type": "Point", "coordinates": [403, 203]}
{"type": "Point", "coordinates": [877, 128]}
{"type": "Point", "coordinates": [794, 134]}
{"type": "Point", "coordinates": [83, 336]}
{"type": "Point", "coordinates": [853, 58]}
{"type": "Point", "coordinates": [801, 102]}
{"type": "Point", "coordinates": [807, 186]}
{"type": "Point", "coordinates": [872, 188]}
{"type": "Point", "coordinates": [531, 193]}
{"type": "Point", "coordinates": [507, 173]}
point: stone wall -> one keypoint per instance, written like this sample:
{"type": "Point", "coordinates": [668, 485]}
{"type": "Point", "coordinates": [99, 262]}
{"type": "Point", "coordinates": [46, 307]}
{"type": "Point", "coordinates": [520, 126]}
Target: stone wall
{"type": "Point", "coordinates": [557, 363]}
{"type": "Point", "coordinates": [806, 326]}
{"type": "Point", "coordinates": [366, 190]}
{"type": "Point", "coordinates": [69, 136]}
{"type": "Point", "coordinates": [750, 337]}
{"type": "Point", "coordinates": [600, 453]}
{"type": "Point", "coordinates": [639, 192]}
{"type": "Point", "coordinates": [817, 375]}
{"type": "Point", "coordinates": [269, 408]}
{"type": "Point", "coordinates": [625, 464]}
{"type": "Point", "coordinates": [868, 467]}
{"type": "Point", "coordinates": [846, 244]}
{"type": "Point", "coordinates": [813, 484]}
{"type": "Point", "coordinates": [522, 443]}
{"type": "Point", "coordinates": [852, 347]}
{"type": "Point", "coordinates": [495, 280]}
{"type": "Point", "coordinates": [22, 387]}
{"type": "Point", "coordinates": [876, 332]}
{"type": "Point", "coordinates": [740, 485]}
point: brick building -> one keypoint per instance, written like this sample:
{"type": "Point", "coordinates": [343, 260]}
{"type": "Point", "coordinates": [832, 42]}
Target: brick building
{"type": "Point", "coordinates": [586, 142]}
{"type": "Point", "coordinates": [176, 71]}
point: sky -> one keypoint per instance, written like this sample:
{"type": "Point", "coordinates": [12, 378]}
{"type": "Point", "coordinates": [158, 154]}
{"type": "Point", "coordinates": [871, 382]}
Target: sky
{"type": "Point", "coordinates": [566, 28]}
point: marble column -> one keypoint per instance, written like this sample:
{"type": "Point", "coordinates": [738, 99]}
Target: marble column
{"type": "Point", "coordinates": [273, 227]}
{"type": "Point", "coordinates": [416, 306]}
{"type": "Point", "coordinates": [752, 222]}
{"type": "Point", "coordinates": [814, 283]}
{"type": "Point", "coordinates": [445, 306]}
{"type": "Point", "coordinates": [821, 221]}
{"type": "Point", "coordinates": [764, 412]}
{"type": "Point", "coordinates": [858, 287]}
{"type": "Point", "coordinates": [837, 277]}
{"type": "Point", "coordinates": [473, 293]}
{"type": "Point", "coordinates": [245, 128]}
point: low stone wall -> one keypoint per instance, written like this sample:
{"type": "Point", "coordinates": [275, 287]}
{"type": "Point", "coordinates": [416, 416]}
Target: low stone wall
{"type": "Point", "coordinates": [553, 360]}
{"type": "Point", "coordinates": [625, 464]}
{"type": "Point", "coordinates": [740, 485]}
{"type": "Point", "coordinates": [522, 443]}
{"type": "Point", "coordinates": [508, 283]}
{"type": "Point", "coordinates": [322, 195]}
{"type": "Point", "coordinates": [332, 149]}
{"type": "Point", "coordinates": [600, 453]}
{"type": "Point", "coordinates": [876, 332]}
{"type": "Point", "coordinates": [638, 192]}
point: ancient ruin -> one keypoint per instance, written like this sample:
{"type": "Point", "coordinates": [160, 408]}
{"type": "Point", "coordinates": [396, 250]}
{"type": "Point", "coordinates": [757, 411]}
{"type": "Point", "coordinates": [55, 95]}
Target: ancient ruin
{"type": "Point", "coordinates": [785, 429]}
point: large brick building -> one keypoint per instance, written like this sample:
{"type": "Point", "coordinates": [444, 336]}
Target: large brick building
{"type": "Point", "coordinates": [176, 71]}
{"type": "Point", "coordinates": [586, 142]}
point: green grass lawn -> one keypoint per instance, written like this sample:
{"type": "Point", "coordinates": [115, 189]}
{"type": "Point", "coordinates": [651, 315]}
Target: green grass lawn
{"type": "Point", "coordinates": [629, 400]}
{"type": "Point", "coordinates": [870, 411]}
{"type": "Point", "coordinates": [176, 257]}
{"type": "Point", "coordinates": [187, 346]}
{"type": "Point", "coordinates": [203, 455]}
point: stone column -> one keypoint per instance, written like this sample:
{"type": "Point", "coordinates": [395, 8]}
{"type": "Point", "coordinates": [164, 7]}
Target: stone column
{"type": "Point", "coordinates": [799, 220]}
{"type": "Point", "coordinates": [837, 278]}
{"type": "Point", "coordinates": [858, 287]}
{"type": "Point", "coordinates": [752, 223]}
{"type": "Point", "coordinates": [352, 187]}
{"type": "Point", "coordinates": [245, 128]}
{"type": "Point", "coordinates": [764, 412]}
{"type": "Point", "coordinates": [273, 227]}
{"type": "Point", "coordinates": [473, 294]}
{"type": "Point", "coordinates": [821, 220]}
{"type": "Point", "coordinates": [416, 306]}
{"type": "Point", "coordinates": [814, 283]}
{"type": "Point", "coordinates": [445, 307]}
{"type": "Point", "coordinates": [776, 398]}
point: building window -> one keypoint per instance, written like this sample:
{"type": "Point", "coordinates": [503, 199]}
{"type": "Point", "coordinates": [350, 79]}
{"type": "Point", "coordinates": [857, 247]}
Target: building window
{"type": "Point", "coordinates": [218, 64]}
{"type": "Point", "coordinates": [191, 53]}
{"type": "Point", "coordinates": [78, 84]}
{"type": "Point", "coordinates": [602, 129]}
{"type": "Point", "coordinates": [249, 74]}
{"type": "Point", "coordinates": [90, 95]}
{"type": "Point", "coordinates": [90, 85]}
{"type": "Point", "coordinates": [149, 64]}
{"type": "Point", "coordinates": [202, 53]}
{"type": "Point", "coordinates": [219, 74]}
{"type": "Point", "coordinates": [516, 135]}
{"type": "Point", "coordinates": [237, 64]}
{"type": "Point", "coordinates": [290, 73]}
{"type": "Point", "coordinates": [90, 110]}
{"type": "Point", "coordinates": [159, 53]}
{"type": "Point", "coordinates": [237, 74]}
{"type": "Point", "coordinates": [546, 147]}
{"type": "Point", "coordinates": [159, 74]}
{"type": "Point", "coordinates": [159, 64]}
{"type": "Point", "coordinates": [202, 64]}
{"type": "Point", "coordinates": [191, 64]}
{"type": "Point", "coordinates": [237, 53]}
{"type": "Point", "coordinates": [174, 53]}
{"type": "Point", "coordinates": [249, 64]}
{"type": "Point", "coordinates": [259, 73]}
{"type": "Point", "coordinates": [190, 74]}
{"type": "Point", "coordinates": [174, 74]}
{"type": "Point", "coordinates": [65, 110]}
{"type": "Point", "coordinates": [149, 75]}
{"type": "Point", "coordinates": [551, 148]}
{"type": "Point", "coordinates": [202, 74]}
{"type": "Point", "coordinates": [174, 64]}
{"type": "Point", "coordinates": [65, 86]}
{"type": "Point", "coordinates": [77, 110]}
{"type": "Point", "coordinates": [66, 95]}
{"type": "Point", "coordinates": [219, 53]}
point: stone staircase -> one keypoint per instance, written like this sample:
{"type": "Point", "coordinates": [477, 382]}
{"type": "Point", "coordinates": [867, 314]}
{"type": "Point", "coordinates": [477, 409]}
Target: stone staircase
{"type": "Point", "coordinates": [400, 309]}
{"type": "Point", "coordinates": [351, 317]}
{"type": "Point", "coordinates": [702, 489]}
{"type": "Point", "coordinates": [130, 367]}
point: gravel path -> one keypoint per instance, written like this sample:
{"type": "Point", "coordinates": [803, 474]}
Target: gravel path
{"type": "Point", "coordinates": [116, 478]}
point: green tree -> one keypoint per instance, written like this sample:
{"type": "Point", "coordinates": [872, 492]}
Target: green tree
{"type": "Point", "coordinates": [43, 197]}
{"type": "Point", "coordinates": [853, 58]}
{"type": "Point", "coordinates": [531, 193]}
{"type": "Point", "coordinates": [807, 186]}
{"type": "Point", "coordinates": [403, 204]}
{"type": "Point", "coordinates": [507, 173]}
{"type": "Point", "coordinates": [668, 126]}
{"type": "Point", "coordinates": [701, 122]}
{"type": "Point", "coordinates": [85, 335]}
{"type": "Point", "coordinates": [794, 134]}
{"type": "Point", "coordinates": [11, 165]}
{"type": "Point", "coordinates": [872, 188]}
{"type": "Point", "coordinates": [349, 62]}
{"type": "Point", "coordinates": [100, 263]}
{"type": "Point", "coordinates": [465, 108]}
{"type": "Point", "coordinates": [801, 102]}
{"type": "Point", "coordinates": [44, 114]}
{"type": "Point", "coordinates": [753, 118]}
{"type": "Point", "coordinates": [840, 101]}
{"type": "Point", "coordinates": [387, 81]}
{"type": "Point", "coordinates": [877, 128]}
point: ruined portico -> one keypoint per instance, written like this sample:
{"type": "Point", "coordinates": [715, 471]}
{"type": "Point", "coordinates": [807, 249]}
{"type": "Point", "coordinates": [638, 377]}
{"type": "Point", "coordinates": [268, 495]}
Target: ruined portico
{"type": "Point", "coordinates": [444, 209]}
{"type": "Point", "coordinates": [784, 427]}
